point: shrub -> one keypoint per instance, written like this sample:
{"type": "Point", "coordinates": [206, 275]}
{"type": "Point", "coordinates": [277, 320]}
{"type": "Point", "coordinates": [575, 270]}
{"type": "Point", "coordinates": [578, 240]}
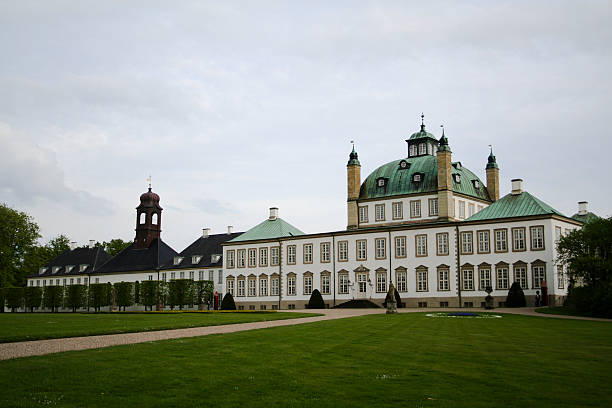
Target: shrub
{"type": "Point", "coordinates": [14, 298]}
{"type": "Point", "coordinates": [149, 290]}
{"type": "Point", "coordinates": [228, 302]}
{"type": "Point", "coordinates": [516, 297]}
{"type": "Point", "coordinates": [33, 297]}
{"type": "Point", "coordinates": [398, 299]}
{"type": "Point", "coordinates": [99, 295]}
{"type": "Point", "coordinates": [53, 297]}
{"type": "Point", "coordinates": [180, 292]}
{"type": "Point", "coordinates": [204, 290]}
{"type": "Point", "coordinates": [591, 300]}
{"type": "Point", "coordinates": [76, 296]}
{"type": "Point", "coordinates": [316, 300]}
{"type": "Point", "coordinates": [124, 294]}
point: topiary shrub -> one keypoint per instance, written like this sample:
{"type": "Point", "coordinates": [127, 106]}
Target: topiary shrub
{"type": "Point", "coordinates": [316, 300]}
{"type": "Point", "coordinates": [228, 302]}
{"type": "Point", "coordinates": [98, 295]}
{"type": "Point", "coordinates": [14, 298]}
{"type": "Point", "coordinates": [124, 294]}
{"type": "Point", "coordinates": [53, 297]}
{"type": "Point", "coordinates": [76, 296]}
{"type": "Point", "coordinates": [516, 297]}
{"type": "Point", "coordinates": [33, 297]}
{"type": "Point", "coordinates": [398, 299]}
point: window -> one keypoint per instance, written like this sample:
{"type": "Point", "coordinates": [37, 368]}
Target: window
{"type": "Point", "coordinates": [363, 214]}
{"type": "Point", "coordinates": [381, 248]}
{"type": "Point", "coordinates": [421, 245]}
{"type": "Point", "coordinates": [381, 282]}
{"type": "Point", "coordinates": [307, 284]}
{"type": "Point", "coordinates": [461, 209]}
{"type": "Point", "coordinates": [263, 256]}
{"type": "Point", "coordinates": [398, 211]}
{"type": "Point", "coordinates": [325, 284]}
{"type": "Point", "coordinates": [241, 287]}
{"type": "Point", "coordinates": [325, 252]}
{"type": "Point", "coordinates": [502, 277]}
{"type": "Point", "coordinates": [413, 150]}
{"type": "Point", "coordinates": [178, 260]}
{"type": "Point", "coordinates": [263, 286]}
{"type": "Point", "coordinates": [537, 271]}
{"type": "Point", "coordinates": [466, 243]}
{"type": "Point", "coordinates": [191, 275]}
{"type": "Point", "coordinates": [471, 209]}
{"type": "Point", "coordinates": [380, 212]}
{"type": "Point", "coordinates": [483, 242]}
{"type": "Point", "coordinates": [211, 275]}
{"type": "Point", "coordinates": [307, 253]}
{"type": "Point", "coordinates": [252, 286]}
{"type": "Point", "coordinates": [422, 148]}
{"type": "Point", "coordinates": [200, 276]}
{"type": "Point", "coordinates": [400, 247]}
{"type": "Point", "coordinates": [63, 282]}
{"type": "Point", "coordinates": [362, 247]}
{"type": "Point", "coordinates": [172, 275]}
{"type": "Point", "coordinates": [557, 235]}
{"type": "Point", "coordinates": [79, 281]}
{"type": "Point", "coordinates": [72, 280]}
{"type": "Point", "coordinates": [433, 207]}
{"type": "Point", "coordinates": [443, 284]}
{"type": "Point", "coordinates": [241, 256]}
{"type": "Point", "coordinates": [415, 209]}
{"type": "Point", "coordinates": [230, 259]}
{"type": "Point", "coordinates": [476, 184]}
{"type": "Point", "coordinates": [220, 277]}
{"type": "Point", "coordinates": [252, 257]}
{"type": "Point", "coordinates": [291, 254]}
{"type": "Point", "coordinates": [291, 285]}
{"type": "Point", "coordinates": [342, 251]}
{"type": "Point", "coordinates": [520, 276]}
{"type": "Point", "coordinates": [467, 279]}
{"type": "Point", "coordinates": [457, 177]}
{"type": "Point", "coordinates": [274, 289]}
{"type": "Point", "coordinates": [380, 182]}
{"type": "Point", "coordinates": [537, 238]}
{"type": "Point", "coordinates": [421, 279]}
{"type": "Point", "coordinates": [83, 267]}
{"type": "Point", "coordinates": [442, 243]}
{"type": "Point", "coordinates": [417, 178]}
{"type": "Point", "coordinates": [195, 259]}
{"type": "Point", "coordinates": [401, 278]}
{"type": "Point", "coordinates": [274, 256]}
{"type": "Point", "coordinates": [518, 239]}
{"type": "Point", "coordinates": [485, 278]}
{"type": "Point", "coordinates": [560, 277]}
{"type": "Point", "coordinates": [501, 240]}
{"type": "Point", "coordinates": [343, 283]}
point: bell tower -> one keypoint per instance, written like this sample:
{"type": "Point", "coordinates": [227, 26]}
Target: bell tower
{"type": "Point", "coordinates": [492, 177]}
{"type": "Point", "coordinates": [148, 220]}
{"type": "Point", "coordinates": [353, 172]}
{"type": "Point", "coordinates": [446, 202]}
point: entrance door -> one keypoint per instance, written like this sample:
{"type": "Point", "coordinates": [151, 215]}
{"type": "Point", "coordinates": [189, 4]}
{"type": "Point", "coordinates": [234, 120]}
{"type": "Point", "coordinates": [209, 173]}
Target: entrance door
{"type": "Point", "coordinates": [362, 285]}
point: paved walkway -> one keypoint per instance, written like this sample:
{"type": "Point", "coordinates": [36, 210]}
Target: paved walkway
{"type": "Point", "coordinates": [41, 347]}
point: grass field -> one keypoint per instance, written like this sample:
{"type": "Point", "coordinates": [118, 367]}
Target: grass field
{"type": "Point", "coordinates": [36, 326]}
{"type": "Point", "coordinates": [407, 360]}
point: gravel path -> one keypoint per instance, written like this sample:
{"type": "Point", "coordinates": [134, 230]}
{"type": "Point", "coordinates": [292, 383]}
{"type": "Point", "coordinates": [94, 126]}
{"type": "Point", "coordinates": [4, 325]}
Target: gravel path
{"type": "Point", "coordinates": [41, 347]}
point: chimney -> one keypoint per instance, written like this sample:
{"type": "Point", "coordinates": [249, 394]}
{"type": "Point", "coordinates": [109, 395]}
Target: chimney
{"type": "Point", "coordinates": [205, 232]}
{"type": "Point", "coordinates": [73, 245]}
{"type": "Point", "coordinates": [230, 229]}
{"type": "Point", "coordinates": [517, 186]}
{"type": "Point", "coordinates": [583, 207]}
{"type": "Point", "coordinates": [92, 242]}
{"type": "Point", "coordinates": [273, 213]}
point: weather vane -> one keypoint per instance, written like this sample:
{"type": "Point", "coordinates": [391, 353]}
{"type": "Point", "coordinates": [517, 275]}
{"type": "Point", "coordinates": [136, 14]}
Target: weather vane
{"type": "Point", "coordinates": [149, 180]}
{"type": "Point", "coordinates": [422, 118]}
{"type": "Point", "coordinates": [491, 147]}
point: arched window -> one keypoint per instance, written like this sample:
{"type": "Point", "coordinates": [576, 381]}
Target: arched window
{"type": "Point", "coordinates": [143, 217]}
{"type": "Point", "coordinates": [154, 221]}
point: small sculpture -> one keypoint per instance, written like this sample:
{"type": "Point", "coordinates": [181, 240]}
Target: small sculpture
{"type": "Point", "coordinates": [489, 298]}
{"type": "Point", "coordinates": [391, 305]}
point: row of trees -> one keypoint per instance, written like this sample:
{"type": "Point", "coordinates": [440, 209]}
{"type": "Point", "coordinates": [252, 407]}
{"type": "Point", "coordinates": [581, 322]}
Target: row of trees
{"type": "Point", "coordinates": [176, 293]}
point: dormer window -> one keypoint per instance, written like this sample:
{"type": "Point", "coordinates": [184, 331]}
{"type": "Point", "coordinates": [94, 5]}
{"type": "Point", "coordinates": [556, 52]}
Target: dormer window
{"type": "Point", "coordinates": [404, 164]}
{"type": "Point", "coordinates": [380, 182]}
{"type": "Point", "coordinates": [195, 259]}
{"type": "Point", "coordinates": [422, 148]}
{"type": "Point", "coordinates": [214, 258]}
{"type": "Point", "coordinates": [178, 260]}
{"type": "Point", "coordinates": [476, 184]}
{"type": "Point", "coordinates": [42, 270]}
{"type": "Point", "coordinates": [457, 178]}
{"type": "Point", "coordinates": [457, 165]}
{"type": "Point", "coordinates": [417, 178]}
{"type": "Point", "coordinates": [55, 269]}
{"type": "Point", "coordinates": [413, 150]}
{"type": "Point", "coordinates": [82, 267]}
{"type": "Point", "coordinates": [69, 268]}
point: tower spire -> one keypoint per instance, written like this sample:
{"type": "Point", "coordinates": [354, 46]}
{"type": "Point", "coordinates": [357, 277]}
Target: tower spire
{"type": "Point", "coordinates": [422, 122]}
{"type": "Point", "coordinates": [149, 181]}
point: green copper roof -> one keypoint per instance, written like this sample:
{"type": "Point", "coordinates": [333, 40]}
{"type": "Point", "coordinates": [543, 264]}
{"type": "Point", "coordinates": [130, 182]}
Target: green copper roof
{"type": "Point", "coordinates": [353, 158]}
{"type": "Point", "coordinates": [519, 205]}
{"type": "Point", "coordinates": [588, 217]}
{"type": "Point", "coordinates": [422, 134]}
{"type": "Point", "coordinates": [399, 180]}
{"type": "Point", "coordinates": [269, 229]}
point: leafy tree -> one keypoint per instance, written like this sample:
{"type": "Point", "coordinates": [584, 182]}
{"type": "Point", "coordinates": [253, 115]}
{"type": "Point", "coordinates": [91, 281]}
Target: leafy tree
{"type": "Point", "coordinates": [18, 235]}
{"type": "Point", "coordinates": [228, 302]}
{"type": "Point", "coordinates": [14, 298]}
{"type": "Point", "coordinates": [42, 255]}
{"type": "Point", "coordinates": [33, 297]}
{"type": "Point", "coordinates": [99, 295]}
{"type": "Point", "coordinates": [516, 296]}
{"type": "Point", "coordinates": [137, 292]}
{"type": "Point", "coordinates": [316, 300]}
{"type": "Point", "coordinates": [53, 297]}
{"type": "Point", "coordinates": [76, 296]}
{"type": "Point", "coordinates": [149, 291]}
{"type": "Point", "coordinates": [114, 246]}
{"type": "Point", "coordinates": [180, 292]}
{"type": "Point", "coordinates": [204, 291]}
{"type": "Point", "coordinates": [124, 294]}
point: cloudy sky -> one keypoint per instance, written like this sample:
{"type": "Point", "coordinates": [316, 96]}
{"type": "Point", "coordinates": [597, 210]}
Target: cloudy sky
{"type": "Point", "coordinates": [233, 107]}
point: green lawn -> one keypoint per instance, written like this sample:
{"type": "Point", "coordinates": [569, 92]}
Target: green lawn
{"type": "Point", "coordinates": [36, 326]}
{"type": "Point", "coordinates": [407, 360]}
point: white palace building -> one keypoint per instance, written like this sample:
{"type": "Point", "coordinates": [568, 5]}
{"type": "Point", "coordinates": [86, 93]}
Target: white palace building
{"type": "Point", "coordinates": [425, 223]}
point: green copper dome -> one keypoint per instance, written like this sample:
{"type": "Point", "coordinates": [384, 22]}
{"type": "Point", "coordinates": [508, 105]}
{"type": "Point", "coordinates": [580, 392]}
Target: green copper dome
{"type": "Point", "coordinates": [398, 178]}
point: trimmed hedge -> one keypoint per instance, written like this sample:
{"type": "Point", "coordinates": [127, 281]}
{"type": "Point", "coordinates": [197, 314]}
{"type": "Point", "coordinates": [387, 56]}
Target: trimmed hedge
{"type": "Point", "coordinates": [53, 297]}
{"type": "Point", "coordinates": [316, 300]}
{"type": "Point", "coordinates": [14, 298]}
{"type": "Point", "coordinates": [149, 289]}
{"type": "Point", "coordinates": [33, 297]}
{"type": "Point", "coordinates": [228, 302]}
{"type": "Point", "coordinates": [124, 294]}
{"type": "Point", "coordinates": [516, 296]}
{"type": "Point", "coordinates": [99, 295]}
{"type": "Point", "coordinates": [76, 297]}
